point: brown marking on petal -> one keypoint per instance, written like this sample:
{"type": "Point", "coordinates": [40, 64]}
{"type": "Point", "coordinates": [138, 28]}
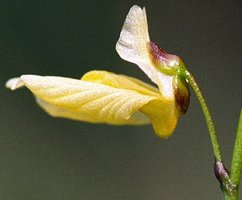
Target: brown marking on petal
{"type": "Point", "coordinates": [156, 53]}
{"type": "Point", "coordinates": [159, 56]}
{"type": "Point", "coordinates": [182, 94]}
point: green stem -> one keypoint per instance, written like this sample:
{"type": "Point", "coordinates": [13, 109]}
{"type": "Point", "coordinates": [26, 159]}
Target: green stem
{"type": "Point", "coordinates": [229, 183]}
{"type": "Point", "coordinates": [236, 164]}
{"type": "Point", "coordinates": [210, 124]}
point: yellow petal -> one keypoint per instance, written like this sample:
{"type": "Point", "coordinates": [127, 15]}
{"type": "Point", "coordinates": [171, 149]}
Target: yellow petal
{"type": "Point", "coordinates": [87, 101]}
{"type": "Point", "coordinates": [132, 46]}
{"type": "Point", "coordinates": [161, 111]}
{"type": "Point", "coordinates": [120, 81]}
{"type": "Point", "coordinates": [138, 118]}
{"type": "Point", "coordinates": [99, 103]}
{"type": "Point", "coordinates": [163, 115]}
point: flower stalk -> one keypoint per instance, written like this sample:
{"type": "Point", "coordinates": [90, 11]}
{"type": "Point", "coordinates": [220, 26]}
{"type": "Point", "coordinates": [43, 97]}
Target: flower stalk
{"type": "Point", "coordinates": [229, 181]}
{"type": "Point", "coordinates": [206, 112]}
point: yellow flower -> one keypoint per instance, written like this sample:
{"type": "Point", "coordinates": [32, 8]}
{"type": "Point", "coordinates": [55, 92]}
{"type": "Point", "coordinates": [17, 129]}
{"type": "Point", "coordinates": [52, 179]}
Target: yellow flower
{"type": "Point", "coordinates": [105, 97]}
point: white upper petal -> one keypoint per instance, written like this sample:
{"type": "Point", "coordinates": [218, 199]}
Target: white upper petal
{"type": "Point", "coordinates": [132, 46]}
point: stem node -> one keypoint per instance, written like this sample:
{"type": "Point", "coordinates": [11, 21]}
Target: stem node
{"type": "Point", "coordinates": [222, 174]}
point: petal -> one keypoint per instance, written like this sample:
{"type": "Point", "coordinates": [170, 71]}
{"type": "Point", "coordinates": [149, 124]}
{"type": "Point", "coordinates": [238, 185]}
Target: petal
{"type": "Point", "coordinates": [99, 103]}
{"type": "Point", "coordinates": [14, 83]}
{"type": "Point", "coordinates": [92, 102]}
{"type": "Point", "coordinates": [163, 115]}
{"type": "Point", "coordinates": [133, 46]}
{"type": "Point", "coordinates": [120, 81]}
{"type": "Point", "coordinates": [138, 118]}
{"type": "Point", "coordinates": [134, 36]}
{"type": "Point", "coordinates": [161, 111]}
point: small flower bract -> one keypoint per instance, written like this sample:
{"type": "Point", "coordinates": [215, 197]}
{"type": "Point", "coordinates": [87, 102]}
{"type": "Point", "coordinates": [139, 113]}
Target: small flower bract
{"type": "Point", "coordinates": [105, 97]}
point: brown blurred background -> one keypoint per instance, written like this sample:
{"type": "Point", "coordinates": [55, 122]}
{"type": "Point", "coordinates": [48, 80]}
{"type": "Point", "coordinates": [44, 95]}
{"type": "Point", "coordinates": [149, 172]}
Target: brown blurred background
{"type": "Point", "coordinates": [57, 159]}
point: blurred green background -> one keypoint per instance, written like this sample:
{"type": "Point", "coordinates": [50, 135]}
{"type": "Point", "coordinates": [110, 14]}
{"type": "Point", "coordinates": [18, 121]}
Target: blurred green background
{"type": "Point", "coordinates": [58, 159]}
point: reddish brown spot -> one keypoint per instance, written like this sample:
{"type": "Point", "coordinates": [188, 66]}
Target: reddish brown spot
{"type": "Point", "coordinates": [182, 94]}
{"type": "Point", "coordinates": [157, 53]}
{"type": "Point", "coordinates": [160, 57]}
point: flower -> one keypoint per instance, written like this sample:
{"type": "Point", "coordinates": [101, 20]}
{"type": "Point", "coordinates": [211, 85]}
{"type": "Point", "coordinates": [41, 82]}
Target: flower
{"type": "Point", "coordinates": [105, 97]}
